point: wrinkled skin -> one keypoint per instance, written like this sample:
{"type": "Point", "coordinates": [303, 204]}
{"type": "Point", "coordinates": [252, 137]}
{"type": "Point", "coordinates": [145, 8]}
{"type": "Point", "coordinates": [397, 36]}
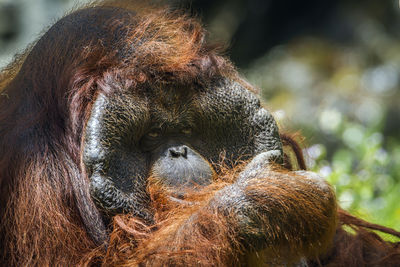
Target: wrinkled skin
{"type": "Point", "coordinates": [132, 134]}
{"type": "Point", "coordinates": [175, 135]}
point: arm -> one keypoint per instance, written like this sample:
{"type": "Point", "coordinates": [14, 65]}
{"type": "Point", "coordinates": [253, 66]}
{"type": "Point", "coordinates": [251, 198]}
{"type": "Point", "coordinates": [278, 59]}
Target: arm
{"type": "Point", "coordinates": [286, 215]}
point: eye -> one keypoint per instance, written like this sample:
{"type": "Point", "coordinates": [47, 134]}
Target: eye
{"type": "Point", "coordinates": [154, 133]}
{"type": "Point", "coordinates": [151, 139]}
{"type": "Point", "coordinates": [187, 131]}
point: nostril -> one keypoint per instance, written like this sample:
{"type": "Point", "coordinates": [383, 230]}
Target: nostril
{"type": "Point", "coordinates": [184, 154]}
{"type": "Point", "coordinates": [174, 153]}
{"type": "Point", "coordinates": [179, 151]}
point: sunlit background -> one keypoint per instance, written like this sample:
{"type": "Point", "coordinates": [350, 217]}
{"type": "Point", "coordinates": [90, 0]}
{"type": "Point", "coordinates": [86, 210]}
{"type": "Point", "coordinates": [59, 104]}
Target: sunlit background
{"type": "Point", "coordinates": [329, 70]}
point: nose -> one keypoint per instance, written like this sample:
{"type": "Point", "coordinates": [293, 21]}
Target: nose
{"type": "Point", "coordinates": [178, 151]}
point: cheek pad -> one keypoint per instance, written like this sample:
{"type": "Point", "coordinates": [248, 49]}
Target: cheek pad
{"type": "Point", "coordinates": [116, 168]}
{"type": "Point", "coordinates": [231, 120]}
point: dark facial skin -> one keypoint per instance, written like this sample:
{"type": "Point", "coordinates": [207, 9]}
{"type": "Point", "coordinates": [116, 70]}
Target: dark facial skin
{"type": "Point", "coordinates": [174, 134]}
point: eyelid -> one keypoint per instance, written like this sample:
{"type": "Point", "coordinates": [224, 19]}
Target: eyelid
{"type": "Point", "coordinates": [187, 130]}
{"type": "Point", "coordinates": [154, 133]}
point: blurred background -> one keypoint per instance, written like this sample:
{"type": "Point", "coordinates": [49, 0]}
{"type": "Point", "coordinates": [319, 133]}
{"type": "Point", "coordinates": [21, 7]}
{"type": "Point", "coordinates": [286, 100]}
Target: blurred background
{"type": "Point", "coordinates": [329, 70]}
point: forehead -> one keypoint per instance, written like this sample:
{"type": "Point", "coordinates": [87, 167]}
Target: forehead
{"type": "Point", "coordinates": [170, 103]}
{"type": "Point", "coordinates": [171, 96]}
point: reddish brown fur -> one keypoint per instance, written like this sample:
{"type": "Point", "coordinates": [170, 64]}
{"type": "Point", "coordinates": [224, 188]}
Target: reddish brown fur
{"type": "Point", "coordinates": [45, 99]}
{"type": "Point", "coordinates": [190, 233]}
{"type": "Point", "coordinates": [361, 248]}
{"type": "Point", "coordinates": [289, 141]}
